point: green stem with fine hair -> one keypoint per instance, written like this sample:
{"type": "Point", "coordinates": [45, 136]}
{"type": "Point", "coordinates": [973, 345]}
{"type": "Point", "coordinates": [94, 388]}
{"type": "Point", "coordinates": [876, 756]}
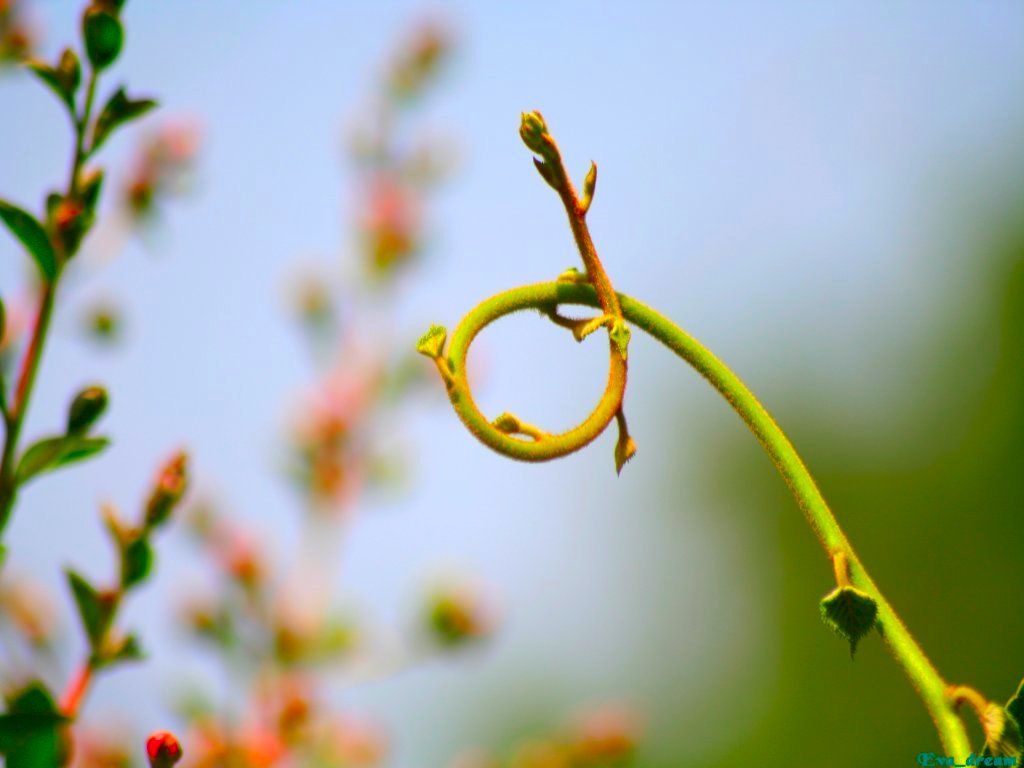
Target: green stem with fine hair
{"type": "Point", "coordinates": [594, 289]}
{"type": "Point", "coordinates": [544, 297]}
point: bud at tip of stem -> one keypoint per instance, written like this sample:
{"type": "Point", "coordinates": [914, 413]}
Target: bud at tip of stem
{"type": "Point", "coordinates": [86, 408]}
{"type": "Point", "coordinates": [533, 131]}
{"type": "Point", "coordinates": [167, 492]}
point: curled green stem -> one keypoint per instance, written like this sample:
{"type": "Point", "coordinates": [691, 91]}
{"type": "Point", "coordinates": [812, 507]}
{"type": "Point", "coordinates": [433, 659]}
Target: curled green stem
{"type": "Point", "coordinates": [547, 297]}
{"type": "Point", "coordinates": [594, 289]}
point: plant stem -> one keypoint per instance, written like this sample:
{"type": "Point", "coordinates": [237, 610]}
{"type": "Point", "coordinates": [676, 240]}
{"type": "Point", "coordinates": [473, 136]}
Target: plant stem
{"type": "Point", "coordinates": [15, 418]}
{"type": "Point", "coordinates": [908, 654]}
{"type": "Point", "coordinates": [72, 697]}
{"type": "Point", "coordinates": [78, 686]}
{"type": "Point", "coordinates": [81, 126]}
{"type": "Point", "coordinates": [546, 297]}
{"type": "Point", "coordinates": [19, 406]}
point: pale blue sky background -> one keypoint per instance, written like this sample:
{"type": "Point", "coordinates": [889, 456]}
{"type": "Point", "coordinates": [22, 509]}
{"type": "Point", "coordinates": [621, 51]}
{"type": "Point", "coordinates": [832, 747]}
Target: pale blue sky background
{"type": "Point", "coordinates": [777, 179]}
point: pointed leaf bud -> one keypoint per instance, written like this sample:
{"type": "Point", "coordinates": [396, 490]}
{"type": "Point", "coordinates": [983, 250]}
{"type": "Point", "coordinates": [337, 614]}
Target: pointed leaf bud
{"type": "Point", "coordinates": [70, 70]}
{"type": "Point", "coordinates": [620, 334]}
{"type": "Point", "coordinates": [534, 131]}
{"type": "Point", "coordinates": [86, 408]}
{"type": "Point", "coordinates": [589, 184]}
{"type": "Point", "coordinates": [625, 449]}
{"type": "Point", "coordinates": [432, 342]}
{"type": "Point", "coordinates": [167, 491]}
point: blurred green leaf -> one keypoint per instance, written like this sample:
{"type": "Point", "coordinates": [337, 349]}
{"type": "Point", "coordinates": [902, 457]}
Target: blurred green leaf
{"type": "Point", "coordinates": [95, 609]}
{"type": "Point", "coordinates": [849, 613]}
{"type": "Point", "coordinates": [128, 649]}
{"type": "Point", "coordinates": [103, 36]}
{"type": "Point", "coordinates": [63, 79]}
{"type": "Point", "coordinates": [32, 235]}
{"type": "Point", "coordinates": [30, 729]}
{"type": "Point", "coordinates": [136, 562]}
{"type": "Point", "coordinates": [1009, 738]}
{"type": "Point", "coordinates": [1015, 707]}
{"type": "Point", "coordinates": [118, 110]}
{"type": "Point", "coordinates": [54, 452]}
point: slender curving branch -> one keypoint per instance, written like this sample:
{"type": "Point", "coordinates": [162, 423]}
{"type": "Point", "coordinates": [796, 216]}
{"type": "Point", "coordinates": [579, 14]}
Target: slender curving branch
{"type": "Point", "coordinates": [855, 589]}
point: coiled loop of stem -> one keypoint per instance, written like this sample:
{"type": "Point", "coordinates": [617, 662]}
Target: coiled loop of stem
{"type": "Point", "coordinates": [500, 434]}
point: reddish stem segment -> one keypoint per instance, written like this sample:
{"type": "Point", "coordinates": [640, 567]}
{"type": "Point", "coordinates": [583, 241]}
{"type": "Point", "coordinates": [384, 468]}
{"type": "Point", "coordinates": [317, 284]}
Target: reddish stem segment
{"type": "Point", "coordinates": [73, 695]}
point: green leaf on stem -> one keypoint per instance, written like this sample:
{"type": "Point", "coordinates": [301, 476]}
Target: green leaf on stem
{"type": "Point", "coordinates": [55, 452]}
{"type": "Point", "coordinates": [118, 110]}
{"type": "Point", "coordinates": [1004, 728]}
{"type": "Point", "coordinates": [103, 36]}
{"type": "Point", "coordinates": [1015, 706]}
{"type": "Point", "coordinates": [136, 562]}
{"type": "Point", "coordinates": [30, 729]}
{"type": "Point", "coordinates": [96, 609]}
{"type": "Point", "coordinates": [850, 613]}
{"type": "Point", "coordinates": [62, 79]}
{"type": "Point", "coordinates": [33, 236]}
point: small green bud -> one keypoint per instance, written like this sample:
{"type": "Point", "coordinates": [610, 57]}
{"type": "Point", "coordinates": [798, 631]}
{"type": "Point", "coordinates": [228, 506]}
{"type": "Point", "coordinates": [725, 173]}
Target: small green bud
{"type": "Point", "coordinates": [103, 35]}
{"type": "Point", "coordinates": [86, 408]}
{"type": "Point", "coordinates": [507, 423]}
{"type": "Point", "coordinates": [534, 131]}
{"type": "Point", "coordinates": [167, 491]}
{"type": "Point", "coordinates": [572, 275]}
{"type": "Point", "coordinates": [620, 334]}
{"type": "Point", "coordinates": [432, 342]}
{"type": "Point", "coordinates": [457, 614]}
{"type": "Point", "coordinates": [70, 70]}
